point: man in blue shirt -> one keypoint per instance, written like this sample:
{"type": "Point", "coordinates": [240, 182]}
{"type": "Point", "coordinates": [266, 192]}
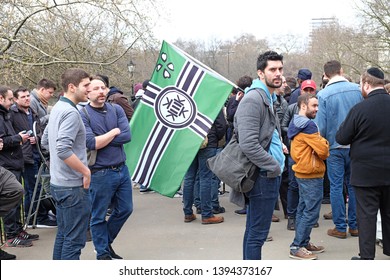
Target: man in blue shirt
{"type": "Point", "coordinates": [107, 130]}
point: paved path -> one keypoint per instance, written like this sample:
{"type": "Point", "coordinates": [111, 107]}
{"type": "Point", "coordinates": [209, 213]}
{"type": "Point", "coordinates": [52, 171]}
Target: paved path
{"type": "Point", "coordinates": [156, 231]}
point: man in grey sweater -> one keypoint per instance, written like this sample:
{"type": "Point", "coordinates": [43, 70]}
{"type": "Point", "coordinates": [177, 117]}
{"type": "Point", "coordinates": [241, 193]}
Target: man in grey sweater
{"type": "Point", "coordinates": [69, 174]}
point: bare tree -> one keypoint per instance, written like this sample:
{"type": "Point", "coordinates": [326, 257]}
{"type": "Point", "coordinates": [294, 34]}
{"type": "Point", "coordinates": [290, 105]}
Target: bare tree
{"type": "Point", "coordinates": [40, 38]}
{"type": "Point", "coordinates": [376, 27]}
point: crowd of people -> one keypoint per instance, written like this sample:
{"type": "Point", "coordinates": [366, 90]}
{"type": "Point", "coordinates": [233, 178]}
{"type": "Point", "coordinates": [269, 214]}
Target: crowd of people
{"type": "Point", "coordinates": [312, 145]}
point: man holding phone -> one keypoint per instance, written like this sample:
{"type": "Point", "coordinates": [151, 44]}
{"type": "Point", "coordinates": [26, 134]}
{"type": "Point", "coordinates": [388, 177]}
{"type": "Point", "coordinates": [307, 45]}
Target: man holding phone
{"type": "Point", "coordinates": [11, 158]}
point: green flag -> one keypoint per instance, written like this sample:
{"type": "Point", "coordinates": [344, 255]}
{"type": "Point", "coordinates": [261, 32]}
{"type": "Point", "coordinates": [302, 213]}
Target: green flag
{"type": "Point", "coordinates": [178, 108]}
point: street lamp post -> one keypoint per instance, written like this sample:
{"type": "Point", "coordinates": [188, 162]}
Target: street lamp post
{"type": "Point", "coordinates": [228, 60]}
{"type": "Point", "coordinates": [131, 68]}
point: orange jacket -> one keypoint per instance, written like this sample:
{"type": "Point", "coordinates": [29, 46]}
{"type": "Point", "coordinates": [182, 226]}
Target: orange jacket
{"type": "Point", "coordinates": [308, 148]}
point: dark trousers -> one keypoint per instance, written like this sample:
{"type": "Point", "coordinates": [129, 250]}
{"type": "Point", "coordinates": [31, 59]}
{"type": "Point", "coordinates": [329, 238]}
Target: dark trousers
{"type": "Point", "coordinates": [11, 191]}
{"type": "Point", "coordinates": [368, 201]}
{"type": "Point", "coordinates": [13, 220]}
{"type": "Point", "coordinates": [283, 191]}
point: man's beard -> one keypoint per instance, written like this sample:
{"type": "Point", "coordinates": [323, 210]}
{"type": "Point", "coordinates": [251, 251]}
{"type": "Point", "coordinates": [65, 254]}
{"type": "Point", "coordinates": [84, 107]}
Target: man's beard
{"type": "Point", "coordinates": [272, 85]}
{"type": "Point", "coordinates": [311, 115]}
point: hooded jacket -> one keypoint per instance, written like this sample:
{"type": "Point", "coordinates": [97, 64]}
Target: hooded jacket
{"type": "Point", "coordinates": [116, 96]}
{"type": "Point", "coordinates": [308, 148]}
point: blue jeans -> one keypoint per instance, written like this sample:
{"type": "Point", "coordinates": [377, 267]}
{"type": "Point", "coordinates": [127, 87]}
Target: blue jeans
{"type": "Point", "coordinates": [292, 191]}
{"type": "Point", "coordinates": [262, 199]}
{"type": "Point", "coordinates": [197, 192]}
{"type": "Point", "coordinates": [73, 210]}
{"type": "Point", "coordinates": [310, 198]}
{"type": "Point", "coordinates": [214, 192]}
{"type": "Point", "coordinates": [338, 164]}
{"type": "Point", "coordinates": [109, 187]}
{"type": "Point", "coordinates": [206, 183]}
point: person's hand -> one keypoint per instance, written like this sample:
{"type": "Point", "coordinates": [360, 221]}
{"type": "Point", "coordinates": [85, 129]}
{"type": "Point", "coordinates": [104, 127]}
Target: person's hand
{"type": "Point", "coordinates": [239, 95]}
{"type": "Point", "coordinates": [116, 131]}
{"type": "Point", "coordinates": [87, 180]}
{"type": "Point", "coordinates": [32, 140]}
{"type": "Point", "coordinates": [24, 136]}
{"type": "Point", "coordinates": [285, 149]}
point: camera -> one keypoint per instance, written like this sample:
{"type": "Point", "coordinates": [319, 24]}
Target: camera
{"type": "Point", "coordinates": [29, 133]}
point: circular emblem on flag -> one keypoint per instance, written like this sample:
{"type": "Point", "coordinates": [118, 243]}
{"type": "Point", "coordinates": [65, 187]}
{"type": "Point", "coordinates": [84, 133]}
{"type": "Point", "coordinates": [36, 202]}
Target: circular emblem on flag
{"type": "Point", "coordinates": [174, 108]}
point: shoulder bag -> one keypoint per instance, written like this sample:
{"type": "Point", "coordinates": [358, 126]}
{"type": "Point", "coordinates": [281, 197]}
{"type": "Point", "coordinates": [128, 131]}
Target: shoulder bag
{"type": "Point", "coordinates": [233, 167]}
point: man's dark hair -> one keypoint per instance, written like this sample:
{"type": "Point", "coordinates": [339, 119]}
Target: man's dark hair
{"type": "Point", "coordinates": [104, 79]}
{"type": "Point", "coordinates": [244, 82]}
{"type": "Point", "coordinates": [291, 82]}
{"type": "Point", "coordinates": [304, 99]}
{"type": "Point", "coordinates": [4, 90]}
{"type": "Point", "coordinates": [262, 60]}
{"type": "Point", "coordinates": [19, 89]}
{"type": "Point", "coordinates": [145, 84]}
{"type": "Point", "coordinates": [73, 76]}
{"type": "Point", "coordinates": [100, 78]}
{"type": "Point", "coordinates": [46, 84]}
{"type": "Point", "coordinates": [332, 68]}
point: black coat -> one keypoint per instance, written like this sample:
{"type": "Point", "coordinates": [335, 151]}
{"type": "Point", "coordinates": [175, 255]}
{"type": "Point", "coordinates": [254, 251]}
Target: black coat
{"type": "Point", "coordinates": [367, 129]}
{"type": "Point", "coordinates": [217, 131]}
{"type": "Point", "coordinates": [20, 122]}
{"type": "Point", "coordinates": [11, 157]}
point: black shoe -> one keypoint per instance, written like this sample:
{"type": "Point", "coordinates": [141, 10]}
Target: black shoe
{"type": "Point", "coordinates": [28, 236]}
{"type": "Point", "coordinates": [241, 212]}
{"type": "Point", "coordinates": [104, 258]}
{"type": "Point", "coordinates": [113, 254]}
{"type": "Point", "coordinates": [291, 224]}
{"type": "Point", "coordinates": [219, 210]}
{"type": "Point", "coordinates": [6, 256]}
{"type": "Point", "coordinates": [316, 225]}
{"type": "Point", "coordinates": [359, 258]}
{"type": "Point", "coordinates": [47, 223]}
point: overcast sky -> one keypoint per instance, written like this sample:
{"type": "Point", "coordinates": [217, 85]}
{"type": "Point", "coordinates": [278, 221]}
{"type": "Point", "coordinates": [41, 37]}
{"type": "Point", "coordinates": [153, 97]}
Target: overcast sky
{"type": "Point", "coordinates": [226, 19]}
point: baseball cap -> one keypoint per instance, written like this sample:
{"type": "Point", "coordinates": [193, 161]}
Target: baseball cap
{"type": "Point", "coordinates": [308, 83]}
{"type": "Point", "coordinates": [304, 74]}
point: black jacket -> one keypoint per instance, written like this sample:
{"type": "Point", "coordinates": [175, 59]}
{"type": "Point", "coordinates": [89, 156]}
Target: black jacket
{"type": "Point", "coordinates": [20, 122]}
{"type": "Point", "coordinates": [366, 128]}
{"type": "Point", "coordinates": [288, 116]}
{"type": "Point", "coordinates": [11, 157]}
{"type": "Point", "coordinates": [217, 131]}
{"type": "Point", "coordinates": [231, 108]}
